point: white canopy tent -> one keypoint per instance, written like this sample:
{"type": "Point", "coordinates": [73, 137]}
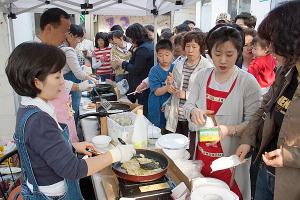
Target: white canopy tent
{"type": "Point", "coordinates": [97, 7]}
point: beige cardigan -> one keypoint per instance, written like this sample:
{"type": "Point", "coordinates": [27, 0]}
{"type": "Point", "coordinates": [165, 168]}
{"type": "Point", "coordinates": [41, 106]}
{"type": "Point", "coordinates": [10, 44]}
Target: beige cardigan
{"type": "Point", "coordinates": [171, 124]}
{"type": "Point", "coordinates": [237, 109]}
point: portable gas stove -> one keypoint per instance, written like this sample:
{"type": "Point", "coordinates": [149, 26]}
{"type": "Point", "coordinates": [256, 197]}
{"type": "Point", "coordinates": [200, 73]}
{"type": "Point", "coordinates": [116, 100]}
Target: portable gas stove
{"type": "Point", "coordinates": [159, 189]}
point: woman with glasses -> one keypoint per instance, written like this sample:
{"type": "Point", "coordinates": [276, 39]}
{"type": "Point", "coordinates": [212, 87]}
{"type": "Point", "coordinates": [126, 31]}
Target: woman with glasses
{"type": "Point", "coordinates": [247, 49]}
{"type": "Point", "coordinates": [232, 96]}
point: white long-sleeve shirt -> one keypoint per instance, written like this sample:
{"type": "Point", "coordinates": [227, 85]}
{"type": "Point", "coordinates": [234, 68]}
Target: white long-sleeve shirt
{"type": "Point", "coordinates": [72, 64]}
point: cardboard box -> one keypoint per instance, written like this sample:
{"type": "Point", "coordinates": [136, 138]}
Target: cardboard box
{"type": "Point", "coordinates": [110, 181]}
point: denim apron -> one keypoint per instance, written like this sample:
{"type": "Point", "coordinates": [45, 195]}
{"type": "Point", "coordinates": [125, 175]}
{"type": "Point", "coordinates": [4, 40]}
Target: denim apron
{"type": "Point", "coordinates": [76, 95]}
{"type": "Point", "coordinates": [72, 190]}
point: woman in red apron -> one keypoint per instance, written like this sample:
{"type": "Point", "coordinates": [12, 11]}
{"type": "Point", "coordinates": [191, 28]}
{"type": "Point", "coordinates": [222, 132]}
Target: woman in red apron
{"type": "Point", "coordinates": [208, 152]}
{"type": "Point", "coordinates": [232, 96]}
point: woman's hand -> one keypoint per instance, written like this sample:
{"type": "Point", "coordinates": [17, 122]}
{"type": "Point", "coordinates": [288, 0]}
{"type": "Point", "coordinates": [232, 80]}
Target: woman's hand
{"type": "Point", "coordinates": [197, 115]}
{"type": "Point", "coordinates": [242, 151]}
{"type": "Point", "coordinates": [141, 87]}
{"type": "Point", "coordinates": [224, 131]}
{"type": "Point", "coordinates": [81, 147]}
{"type": "Point", "coordinates": [273, 158]}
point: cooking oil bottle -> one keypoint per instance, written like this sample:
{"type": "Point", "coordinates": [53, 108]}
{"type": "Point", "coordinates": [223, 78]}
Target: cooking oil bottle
{"type": "Point", "coordinates": [140, 131]}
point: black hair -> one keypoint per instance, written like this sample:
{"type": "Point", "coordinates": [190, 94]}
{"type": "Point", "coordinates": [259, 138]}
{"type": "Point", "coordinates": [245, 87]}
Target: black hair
{"type": "Point", "coordinates": [164, 44]}
{"type": "Point", "coordinates": [182, 28]}
{"type": "Point", "coordinates": [178, 39]}
{"type": "Point", "coordinates": [117, 34]}
{"type": "Point", "coordinates": [166, 30]}
{"type": "Point", "coordinates": [23, 66]}
{"type": "Point", "coordinates": [52, 16]}
{"type": "Point", "coordinates": [197, 29]}
{"type": "Point", "coordinates": [149, 27]}
{"type": "Point", "coordinates": [76, 30]}
{"type": "Point", "coordinates": [249, 20]}
{"type": "Point", "coordinates": [137, 33]}
{"type": "Point", "coordinates": [189, 22]}
{"type": "Point", "coordinates": [110, 36]}
{"type": "Point", "coordinates": [197, 36]}
{"type": "Point", "coordinates": [263, 43]}
{"type": "Point", "coordinates": [117, 27]}
{"type": "Point", "coordinates": [235, 26]}
{"type": "Point", "coordinates": [250, 31]}
{"type": "Point", "coordinates": [103, 36]}
{"type": "Point", "coordinates": [166, 35]}
{"type": "Point", "coordinates": [223, 34]}
{"type": "Point", "coordinates": [281, 28]}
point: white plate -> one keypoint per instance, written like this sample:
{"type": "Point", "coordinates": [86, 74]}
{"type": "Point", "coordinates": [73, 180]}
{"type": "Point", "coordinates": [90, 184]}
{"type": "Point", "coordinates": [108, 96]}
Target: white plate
{"type": "Point", "coordinates": [205, 181]}
{"type": "Point", "coordinates": [173, 141]}
{"type": "Point", "coordinates": [225, 163]}
{"type": "Point", "coordinates": [5, 170]}
{"type": "Point", "coordinates": [213, 193]}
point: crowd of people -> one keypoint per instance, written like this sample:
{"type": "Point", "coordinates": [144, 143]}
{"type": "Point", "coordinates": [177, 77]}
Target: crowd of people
{"type": "Point", "coordinates": [247, 80]}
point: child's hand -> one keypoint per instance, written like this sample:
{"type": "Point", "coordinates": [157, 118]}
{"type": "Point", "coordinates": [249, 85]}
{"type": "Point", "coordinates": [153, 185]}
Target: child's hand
{"type": "Point", "coordinates": [170, 79]}
{"type": "Point", "coordinates": [180, 94]}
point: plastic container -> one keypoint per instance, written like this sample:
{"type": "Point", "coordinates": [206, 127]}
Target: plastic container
{"type": "Point", "coordinates": [101, 142]}
{"type": "Point", "coordinates": [140, 131]}
{"type": "Point", "coordinates": [209, 133]}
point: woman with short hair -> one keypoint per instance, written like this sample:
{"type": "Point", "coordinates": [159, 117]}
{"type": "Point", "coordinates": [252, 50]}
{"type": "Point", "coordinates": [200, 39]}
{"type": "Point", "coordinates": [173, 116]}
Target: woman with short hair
{"type": "Point", "coordinates": [184, 73]}
{"type": "Point", "coordinates": [276, 124]}
{"type": "Point", "coordinates": [232, 96]}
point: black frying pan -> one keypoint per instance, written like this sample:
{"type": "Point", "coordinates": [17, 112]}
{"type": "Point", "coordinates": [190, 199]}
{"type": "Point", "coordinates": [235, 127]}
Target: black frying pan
{"type": "Point", "coordinates": [163, 162]}
{"type": "Point", "coordinates": [101, 112]}
{"type": "Point", "coordinates": [103, 87]}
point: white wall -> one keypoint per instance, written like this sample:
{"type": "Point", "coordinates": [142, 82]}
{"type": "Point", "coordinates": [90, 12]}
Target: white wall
{"type": "Point", "coordinates": [185, 13]}
{"type": "Point", "coordinates": [24, 28]}
{"type": "Point", "coordinates": [217, 7]}
{"type": "Point", "coordinates": [7, 106]}
{"type": "Point", "coordinates": [260, 9]}
{"type": "Point", "coordinates": [209, 12]}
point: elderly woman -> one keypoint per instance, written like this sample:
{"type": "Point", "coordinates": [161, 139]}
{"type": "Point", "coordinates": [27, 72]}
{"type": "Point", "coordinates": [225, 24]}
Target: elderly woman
{"type": "Point", "coordinates": [276, 123]}
{"type": "Point", "coordinates": [232, 95]}
{"type": "Point", "coordinates": [184, 73]}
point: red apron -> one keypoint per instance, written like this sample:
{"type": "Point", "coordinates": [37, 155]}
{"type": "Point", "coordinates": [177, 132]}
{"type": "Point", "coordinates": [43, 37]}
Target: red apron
{"type": "Point", "coordinates": [207, 152]}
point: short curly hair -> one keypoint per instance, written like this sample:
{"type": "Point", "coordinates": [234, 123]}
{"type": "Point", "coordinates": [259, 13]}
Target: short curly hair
{"type": "Point", "coordinates": [281, 28]}
{"type": "Point", "coordinates": [197, 36]}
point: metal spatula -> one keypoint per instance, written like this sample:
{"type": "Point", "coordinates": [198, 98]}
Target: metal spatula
{"type": "Point", "coordinates": [105, 104]}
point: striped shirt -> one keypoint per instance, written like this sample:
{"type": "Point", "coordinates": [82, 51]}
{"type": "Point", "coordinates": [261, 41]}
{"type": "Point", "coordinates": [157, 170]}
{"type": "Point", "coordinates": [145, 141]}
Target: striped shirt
{"type": "Point", "coordinates": [103, 55]}
{"type": "Point", "coordinates": [186, 73]}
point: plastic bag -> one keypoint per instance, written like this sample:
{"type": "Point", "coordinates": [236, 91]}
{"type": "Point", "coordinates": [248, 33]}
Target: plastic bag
{"type": "Point", "coordinates": [123, 86]}
{"type": "Point", "coordinates": [190, 168]}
